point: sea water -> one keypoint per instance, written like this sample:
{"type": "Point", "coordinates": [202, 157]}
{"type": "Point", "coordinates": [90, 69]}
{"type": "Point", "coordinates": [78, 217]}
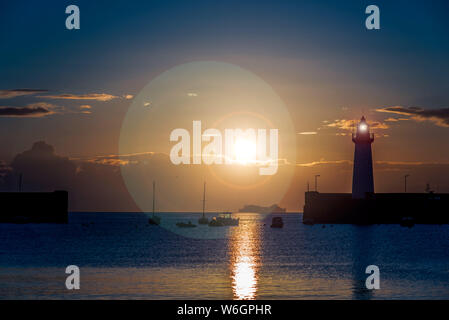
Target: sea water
{"type": "Point", "coordinates": [121, 256]}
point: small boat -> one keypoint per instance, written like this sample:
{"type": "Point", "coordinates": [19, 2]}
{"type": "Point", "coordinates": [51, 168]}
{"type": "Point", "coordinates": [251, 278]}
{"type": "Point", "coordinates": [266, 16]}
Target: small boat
{"type": "Point", "coordinates": [186, 225]}
{"type": "Point", "coordinates": [203, 219]}
{"type": "Point", "coordinates": [277, 222]}
{"type": "Point", "coordinates": [154, 219]}
{"type": "Point", "coordinates": [215, 223]}
{"type": "Point", "coordinates": [224, 219]}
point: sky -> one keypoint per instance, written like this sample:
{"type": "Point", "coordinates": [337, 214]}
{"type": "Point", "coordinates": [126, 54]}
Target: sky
{"type": "Point", "coordinates": [71, 91]}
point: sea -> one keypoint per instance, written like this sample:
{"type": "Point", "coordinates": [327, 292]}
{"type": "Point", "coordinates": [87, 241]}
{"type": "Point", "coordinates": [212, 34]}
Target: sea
{"type": "Point", "coordinates": [122, 256]}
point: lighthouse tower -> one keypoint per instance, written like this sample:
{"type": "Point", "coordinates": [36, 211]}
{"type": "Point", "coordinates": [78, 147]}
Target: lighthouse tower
{"type": "Point", "coordinates": [362, 179]}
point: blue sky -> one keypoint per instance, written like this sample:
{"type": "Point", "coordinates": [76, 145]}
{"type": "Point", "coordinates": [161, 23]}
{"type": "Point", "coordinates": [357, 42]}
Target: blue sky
{"type": "Point", "coordinates": [129, 38]}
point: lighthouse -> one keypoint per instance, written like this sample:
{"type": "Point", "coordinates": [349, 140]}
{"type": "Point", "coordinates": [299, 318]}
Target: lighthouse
{"type": "Point", "coordinates": [362, 178]}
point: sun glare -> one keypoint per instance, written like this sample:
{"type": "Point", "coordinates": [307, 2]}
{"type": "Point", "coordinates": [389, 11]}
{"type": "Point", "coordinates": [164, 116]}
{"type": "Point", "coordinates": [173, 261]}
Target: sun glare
{"type": "Point", "coordinates": [245, 151]}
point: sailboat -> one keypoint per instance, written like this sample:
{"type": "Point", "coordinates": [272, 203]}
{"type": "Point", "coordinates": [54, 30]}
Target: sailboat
{"type": "Point", "coordinates": [203, 219]}
{"type": "Point", "coordinates": [155, 220]}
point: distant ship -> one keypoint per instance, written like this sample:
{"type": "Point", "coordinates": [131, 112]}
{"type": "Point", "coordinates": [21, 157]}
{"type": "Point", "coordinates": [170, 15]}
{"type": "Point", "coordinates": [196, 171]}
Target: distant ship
{"type": "Point", "coordinates": [259, 209]}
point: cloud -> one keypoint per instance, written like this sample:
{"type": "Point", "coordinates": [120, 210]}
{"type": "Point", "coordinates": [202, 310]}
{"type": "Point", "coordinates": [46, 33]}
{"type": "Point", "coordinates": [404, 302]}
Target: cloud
{"type": "Point", "coordinates": [324, 162]}
{"type": "Point", "coordinates": [342, 124]}
{"type": "Point", "coordinates": [306, 133]}
{"type": "Point", "coordinates": [378, 125]}
{"type": "Point", "coordinates": [349, 125]}
{"type": "Point", "coordinates": [8, 94]}
{"type": "Point", "coordinates": [42, 168]}
{"type": "Point", "coordinates": [438, 116]}
{"type": "Point", "coordinates": [12, 93]}
{"type": "Point", "coordinates": [35, 110]}
{"type": "Point", "coordinates": [412, 163]}
{"type": "Point", "coordinates": [121, 160]}
{"type": "Point", "coordinates": [395, 119]}
{"type": "Point", "coordinates": [85, 109]}
{"type": "Point", "coordinates": [192, 94]}
{"type": "Point", "coordinates": [91, 96]}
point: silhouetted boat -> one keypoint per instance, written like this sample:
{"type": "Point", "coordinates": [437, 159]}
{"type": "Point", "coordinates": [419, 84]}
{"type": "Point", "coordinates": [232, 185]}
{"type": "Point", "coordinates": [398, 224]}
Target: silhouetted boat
{"type": "Point", "coordinates": [186, 225]}
{"type": "Point", "coordinates": [154, 219]}
{"type": "Point", "coordinates": [203, 219]}
{"type": "Point", "coordinates": [224, 219]}
{"type": "Point", "coordinates": [277, 222]}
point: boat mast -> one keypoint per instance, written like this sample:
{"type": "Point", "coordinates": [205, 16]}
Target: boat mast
{"type": "Point", "coordinates": [154, 191]}
{"type": "Point", "coordinates": [204, 198]}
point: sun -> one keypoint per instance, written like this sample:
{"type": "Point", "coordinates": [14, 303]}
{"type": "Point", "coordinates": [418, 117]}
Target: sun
{"type": "Point", "coordinates": [245, 151]}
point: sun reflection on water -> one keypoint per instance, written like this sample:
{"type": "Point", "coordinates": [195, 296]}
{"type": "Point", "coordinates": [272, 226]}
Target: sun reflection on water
{"type": "Point", "coordinates": [245, 261]}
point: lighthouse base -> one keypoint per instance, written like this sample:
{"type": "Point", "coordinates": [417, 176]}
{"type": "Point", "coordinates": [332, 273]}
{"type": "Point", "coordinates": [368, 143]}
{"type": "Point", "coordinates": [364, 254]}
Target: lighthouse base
{"type": "Point", "coordinates": [379, 208]}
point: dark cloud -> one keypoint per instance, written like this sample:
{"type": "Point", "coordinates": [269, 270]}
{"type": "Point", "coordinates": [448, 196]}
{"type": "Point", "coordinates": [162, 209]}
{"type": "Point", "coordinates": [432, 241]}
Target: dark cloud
{"type": "Point", "coordinates": [41, 109]}
{"type": "Point", "coordinates": [43, 169]}
{"type": "Point", "coordinates": [30, 111]}
{"type": "Point", "coordinates": [12, 93]}
{"type": "Point", "coordinates": [8, 94]}
{"type": "Point", "coordinates": [439, 116]}
{"type": "Point", "coordinates": [91, 186]}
